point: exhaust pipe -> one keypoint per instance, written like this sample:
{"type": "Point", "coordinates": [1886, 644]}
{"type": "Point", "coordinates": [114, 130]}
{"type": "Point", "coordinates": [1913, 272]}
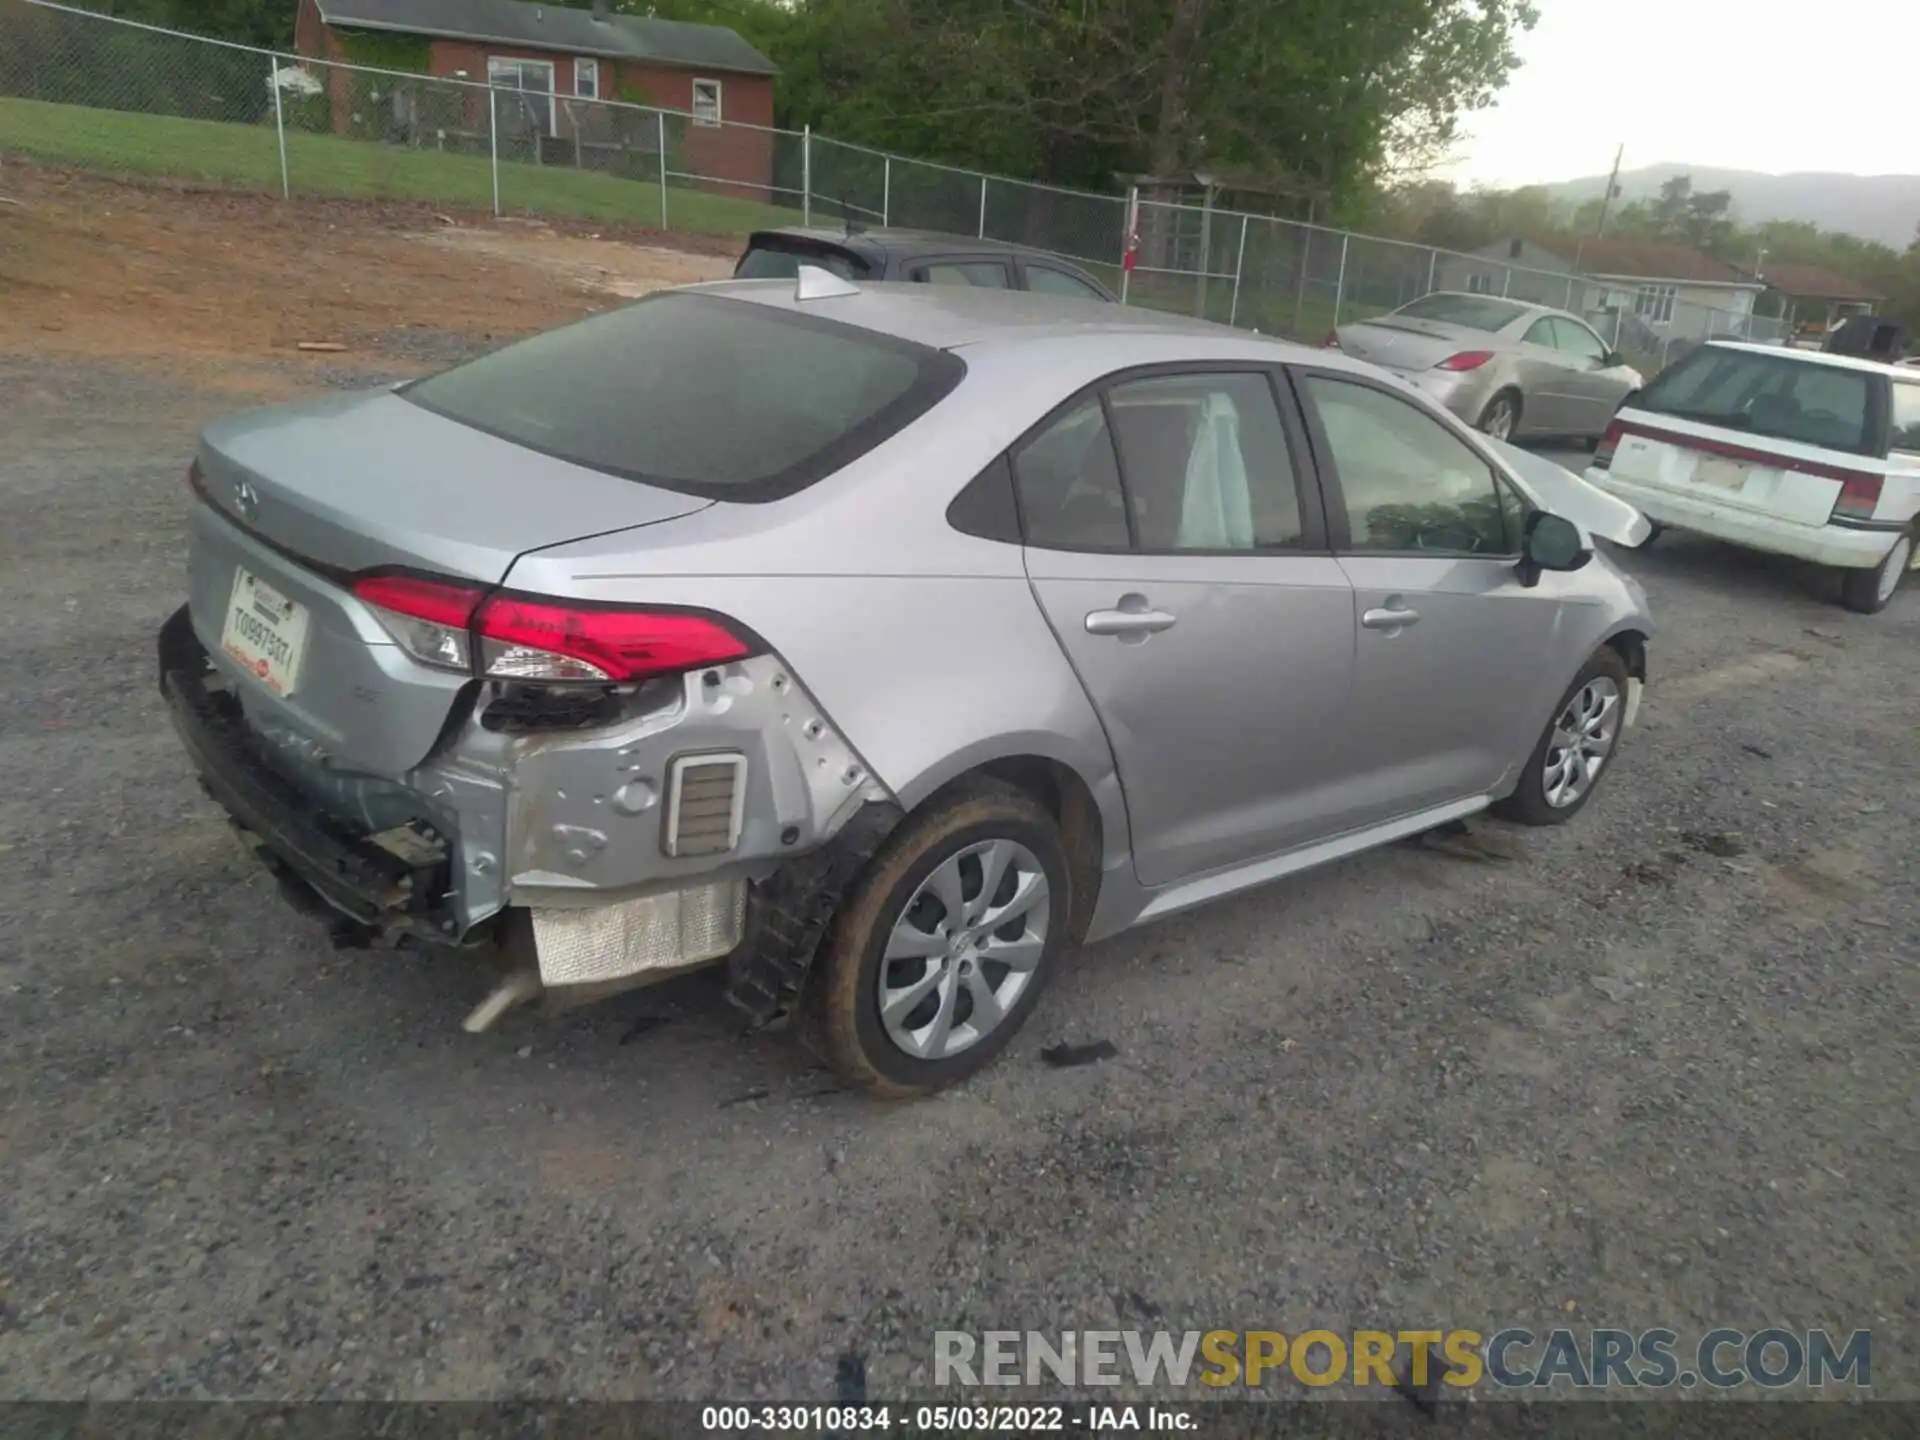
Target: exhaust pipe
{"type": "Point", "coordinates": [516, 988]}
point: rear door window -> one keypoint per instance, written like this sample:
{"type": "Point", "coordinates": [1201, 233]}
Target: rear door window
{"type": "Point", "coordinates": [1045, 280]}
{"type": "Point", "coordinates": [986, 274]}
{"type": "Point", "coordinates": [1068, 482]}
{"type": "Point", "coordinates": [1767, 396]}
{"type": "Point", "coordinates": [698, 393]}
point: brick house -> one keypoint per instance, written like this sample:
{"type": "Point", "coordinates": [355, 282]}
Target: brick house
{"type": "Point", "coordinates": [560, 63]}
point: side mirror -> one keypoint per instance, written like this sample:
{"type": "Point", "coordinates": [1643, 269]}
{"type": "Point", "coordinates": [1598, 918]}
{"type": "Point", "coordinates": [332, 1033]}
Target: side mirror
{"type": "Point", "coordinates": [1612, 360]}
{"type": "Point", "coordinates": [1551, 543]}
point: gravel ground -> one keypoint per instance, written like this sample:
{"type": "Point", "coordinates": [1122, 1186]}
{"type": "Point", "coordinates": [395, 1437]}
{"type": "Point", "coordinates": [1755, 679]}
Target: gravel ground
{"type": "Point", "coordinates": [1656, 1068]}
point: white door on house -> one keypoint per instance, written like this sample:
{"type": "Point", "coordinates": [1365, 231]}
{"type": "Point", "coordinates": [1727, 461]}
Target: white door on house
{"type": "Point", "coordinates": [531, 109]}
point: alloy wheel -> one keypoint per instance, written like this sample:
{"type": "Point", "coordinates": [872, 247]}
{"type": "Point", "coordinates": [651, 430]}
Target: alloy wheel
{"type": "Point", "coordinates": [963, 949]}
{"type": "Point", "coordinates": [1582, 742]}
{"type": "Point", "coordinates": [1499, 423]}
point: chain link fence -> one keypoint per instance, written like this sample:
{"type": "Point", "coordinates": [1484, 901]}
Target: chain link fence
{"type": "Point", "coordinates": [81, 88]}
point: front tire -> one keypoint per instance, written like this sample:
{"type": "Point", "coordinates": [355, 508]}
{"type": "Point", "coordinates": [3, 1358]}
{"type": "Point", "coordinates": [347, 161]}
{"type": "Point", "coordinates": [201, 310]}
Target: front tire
{"type": "Point", "coordinates": [942, 947]}
{"type": "Point", "coordinates": [1577, 749]}
{"type": "Point", "coordinates": [1866, 592]}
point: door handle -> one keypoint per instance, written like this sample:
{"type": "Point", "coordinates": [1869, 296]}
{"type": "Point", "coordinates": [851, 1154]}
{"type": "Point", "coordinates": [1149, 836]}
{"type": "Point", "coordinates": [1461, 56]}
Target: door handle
{"type": "Point", "coordinates": [1128, 622]}
{"type": "Point", "coordinates": [1390, 619]}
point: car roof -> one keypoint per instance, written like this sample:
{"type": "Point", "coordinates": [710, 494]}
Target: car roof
{"type": "Point", "coordinates": [950, 317]}
{"type": "Point", "coordinates": [903, 243]}
{"type": "Point", "coordinates": [1811, 357]}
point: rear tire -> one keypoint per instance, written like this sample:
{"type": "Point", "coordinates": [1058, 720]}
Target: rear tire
{"type": "Point", "coordinates": [896, 934]}
{"type": "Point", "coordinates": [1577, 747]}
{"type": "Point", "coordinates": [1501, 418]}
{"type": "Point", "coordinates": [1866, 592]}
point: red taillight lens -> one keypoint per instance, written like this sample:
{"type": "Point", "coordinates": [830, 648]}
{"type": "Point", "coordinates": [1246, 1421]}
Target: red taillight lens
{"type": "Point", "coordinates": [1465, 360]}
{"type": "Point", "coordinates": [1332, 342]}
{"type": "Point", "coordinates": [440, 601]}
{"type": "Point", "coordinates": [528, 639]}
{"type": "Point", "coordinates": [1609, 442]}
{"type": "Point", "coordinates": [1859, 497]}
{"type": "Point", "coordinates": [428, 618]}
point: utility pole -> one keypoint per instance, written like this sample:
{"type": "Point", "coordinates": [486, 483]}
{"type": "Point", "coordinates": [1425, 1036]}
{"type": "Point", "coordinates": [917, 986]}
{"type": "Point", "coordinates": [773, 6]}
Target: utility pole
{"type": "Point", "coordinates": [1613, 189]}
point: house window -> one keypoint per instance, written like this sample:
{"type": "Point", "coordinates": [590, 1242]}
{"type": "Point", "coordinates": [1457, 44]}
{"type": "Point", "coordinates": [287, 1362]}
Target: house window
{"type": "Point", "coordinates": [1654, 303]}
{"type": "Point", "coordinates": [706, 102]}
{"type": "Point", "coordinates": [532, 109]}
{"type": "Point", "coordinates": [586, 79]}
{"type": "Point", "coordinates": [1480, 282]}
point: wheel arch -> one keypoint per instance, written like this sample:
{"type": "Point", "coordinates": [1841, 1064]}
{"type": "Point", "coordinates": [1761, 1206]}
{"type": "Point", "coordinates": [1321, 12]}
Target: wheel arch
{"type": "Point", "coordinates": [1631, 645]}
{"type": "Point", "coordinates": [1088, 808]}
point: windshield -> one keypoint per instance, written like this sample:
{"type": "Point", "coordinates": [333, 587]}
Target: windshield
{"type": "Point", "coordinates": [698, 393]}
{"type": "Point", "coordinates": [1476, 312]}
{"type": "Point", "coordinates": [1772, 395]}
{"type": "Point", "coordinates": [772, 260]}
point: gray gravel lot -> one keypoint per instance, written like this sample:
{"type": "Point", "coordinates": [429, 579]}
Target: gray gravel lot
{"type": "Point", "coordinates": [1656, 1068]}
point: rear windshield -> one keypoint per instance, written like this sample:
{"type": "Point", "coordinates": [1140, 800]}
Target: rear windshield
{"type": "Point", "coordinates": [1775, 396]}
{"type": "Point", "coordinates": [1476, 312]}
{"type": "Point", "coordinates": [777, 260]}
{"type": "Point", "coordinates": [698, 393]}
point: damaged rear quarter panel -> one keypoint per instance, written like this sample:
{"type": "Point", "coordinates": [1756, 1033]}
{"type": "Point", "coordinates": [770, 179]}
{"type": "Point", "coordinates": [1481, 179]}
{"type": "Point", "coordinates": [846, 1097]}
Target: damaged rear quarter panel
{"type": "Point", "coordinates": [585, 812]}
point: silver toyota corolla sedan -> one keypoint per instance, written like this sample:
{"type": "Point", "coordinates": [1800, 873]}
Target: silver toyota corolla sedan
{"type": "Point", "coordinates": [875, 644]}
{"type": "Point", "coordinates": [1504, 367]}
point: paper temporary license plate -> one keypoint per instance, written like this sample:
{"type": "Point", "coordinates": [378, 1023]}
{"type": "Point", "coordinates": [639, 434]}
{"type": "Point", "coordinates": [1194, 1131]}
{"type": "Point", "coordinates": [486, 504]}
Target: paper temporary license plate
{"type": "Point", "coordinates": [266, 632]}
{"type": "Point", "coordinates": [1720, 473]}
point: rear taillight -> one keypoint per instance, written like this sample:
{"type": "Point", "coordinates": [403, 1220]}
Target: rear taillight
{"type": "Point", "coordinates": [1609, 442]}
{"type": "Point", "coordinates": [1465, 360]}
{"type": "Point", "coordinates": [429, 618]}
{"type": "Point", "coordinates": [522, 638]}
{"type": "Point", "coordinates": [1859, 497]}
{"type": "Point", "coordinates": [1332, 342]}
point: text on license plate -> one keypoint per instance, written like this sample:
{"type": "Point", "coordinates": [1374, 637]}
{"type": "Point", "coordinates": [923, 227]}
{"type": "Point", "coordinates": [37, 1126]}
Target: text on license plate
{"type": "Point", "coordinates": [266, 632]}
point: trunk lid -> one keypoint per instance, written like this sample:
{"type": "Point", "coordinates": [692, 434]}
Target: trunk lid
{"type": "Point", "coordinates": [1403, 343]}
{"type": "Point", "coordinates": [359, 481]}
{"type": "Point", "coordinates": [300, 498]}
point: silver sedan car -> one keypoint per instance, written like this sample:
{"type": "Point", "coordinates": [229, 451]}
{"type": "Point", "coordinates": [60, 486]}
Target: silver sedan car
{"type": "Point", "coordinates": [1507, 368]}
{"type": "Point", "coordinates": [874, 644]}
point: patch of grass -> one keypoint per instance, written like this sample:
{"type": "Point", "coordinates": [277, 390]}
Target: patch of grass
{"type": "Point", "coordinates": [247, 157]}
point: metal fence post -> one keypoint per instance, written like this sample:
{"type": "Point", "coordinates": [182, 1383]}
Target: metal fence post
{"type": "Point", "coordinates": [886, 189]}
{"type": "Point", "coordinates": [660, 126]}
{"type": "Point", "coordinates": [1506, 281]}
{"type": "Point", "coordinates": [983, 207]}
{"type": "Point", "coordinates": [1239, 265]}
{"type": "Point", "coordinates": [279, 124]}
{"type": "Point", "coordinates": [1340, 283]}
{"type": "Point", "coordinates": [493, 138]}
{"type": "Point", "coordinates": [1433, 266]}
{"type": "Point", "coordinates": [1130, 223]}
{"type": "Point", "coordinates": [806, 175]}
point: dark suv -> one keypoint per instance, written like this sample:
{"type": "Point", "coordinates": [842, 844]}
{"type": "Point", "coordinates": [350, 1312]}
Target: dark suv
{"type": "Point", "coordinates": [915, 255]}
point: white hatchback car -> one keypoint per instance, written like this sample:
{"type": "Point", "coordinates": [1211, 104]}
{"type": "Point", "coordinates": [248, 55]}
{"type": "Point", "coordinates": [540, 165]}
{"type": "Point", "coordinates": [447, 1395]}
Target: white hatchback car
{"type": "Point", "coordinates": [1794, 452]}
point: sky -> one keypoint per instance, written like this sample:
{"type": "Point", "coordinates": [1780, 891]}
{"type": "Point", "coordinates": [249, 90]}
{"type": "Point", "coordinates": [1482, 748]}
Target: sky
{"type": "Point", "coordinates": [1756, 86]}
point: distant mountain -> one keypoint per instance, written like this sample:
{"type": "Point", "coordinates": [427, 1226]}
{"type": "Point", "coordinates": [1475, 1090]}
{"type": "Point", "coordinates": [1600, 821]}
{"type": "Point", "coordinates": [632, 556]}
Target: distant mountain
{"type": "Point", "coordinates": [1875, 207]}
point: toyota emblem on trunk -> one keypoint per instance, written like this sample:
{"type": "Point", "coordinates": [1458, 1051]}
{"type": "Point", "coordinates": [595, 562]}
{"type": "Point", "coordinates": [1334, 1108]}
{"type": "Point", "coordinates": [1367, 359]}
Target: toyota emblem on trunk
{"type": "Point", "coordinates": [246, 501]}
